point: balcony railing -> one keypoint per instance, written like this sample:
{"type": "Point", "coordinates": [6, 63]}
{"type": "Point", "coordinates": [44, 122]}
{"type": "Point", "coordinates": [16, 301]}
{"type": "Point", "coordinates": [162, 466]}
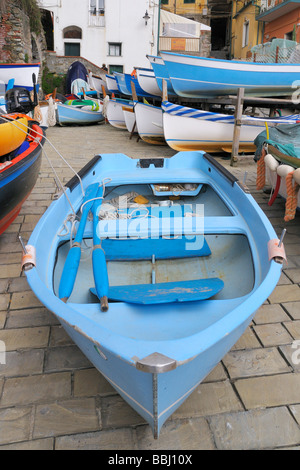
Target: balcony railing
{"type": "Point", "coordinates": [179, 44]}
{"type": "Point", "coordinates": [96, 18]}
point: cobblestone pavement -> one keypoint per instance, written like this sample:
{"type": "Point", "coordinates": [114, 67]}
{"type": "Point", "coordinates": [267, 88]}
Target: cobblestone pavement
{"type": "Point", "coordinates": [51, 397]}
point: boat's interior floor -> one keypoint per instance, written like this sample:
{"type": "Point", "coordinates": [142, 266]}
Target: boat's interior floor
{"type": "Point", "coordinates": [165, 259]}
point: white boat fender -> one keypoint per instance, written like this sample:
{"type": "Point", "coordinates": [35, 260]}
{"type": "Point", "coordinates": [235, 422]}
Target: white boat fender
{"type": "Point", "coordinates": [271, 162]}
{"type": "Point", "coordinates": [296, 175]}
{"type": "Point", "coordinates": [29, 257]}
{"type": "Point", "coordinates": [284, 170]}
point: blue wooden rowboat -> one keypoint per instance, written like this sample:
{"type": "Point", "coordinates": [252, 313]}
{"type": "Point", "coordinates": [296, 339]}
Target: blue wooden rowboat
{"type": "Point", "coordinates": [196, 77]}
{"type": "Point", "coordinates": [178, 281]}
{"type": "Point", "coordinates": [68, 114]}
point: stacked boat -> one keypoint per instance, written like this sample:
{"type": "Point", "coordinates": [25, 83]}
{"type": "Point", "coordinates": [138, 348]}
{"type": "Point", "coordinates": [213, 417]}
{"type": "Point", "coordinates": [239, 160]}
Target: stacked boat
{"type": "Point", "coordinates": [21, 143]}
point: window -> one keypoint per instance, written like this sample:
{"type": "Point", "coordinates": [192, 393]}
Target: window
{"type": "Point", "coordinates": [188, 1]}
{"type": "Point", "coordinates": [289, 36]}
{"type": "Point", "coordinates": [115, 48]}
{"type": "Point", "coordinates": [245, 33]}
{"type": "Point", "coordinates": [115, 68]}
{"type": "Point", "coordinates": [165, 2]}
{"type": "Point", "coordinates": [72, 49]}
{"type": "Point", "coordinates": [97, 7]}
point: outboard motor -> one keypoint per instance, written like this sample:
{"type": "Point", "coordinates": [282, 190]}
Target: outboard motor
{"type": "Point", "coordinates": [18, 100]}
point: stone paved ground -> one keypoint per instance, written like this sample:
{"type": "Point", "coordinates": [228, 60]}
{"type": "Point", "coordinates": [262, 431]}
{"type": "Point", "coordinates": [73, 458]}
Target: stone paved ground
{"type": "Point", "coordinates": [51, 397]}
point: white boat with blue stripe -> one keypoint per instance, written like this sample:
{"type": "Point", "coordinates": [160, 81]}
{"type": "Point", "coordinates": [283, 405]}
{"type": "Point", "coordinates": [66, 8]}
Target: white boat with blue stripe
{"type": "Point", "coordinates": [193, 129]}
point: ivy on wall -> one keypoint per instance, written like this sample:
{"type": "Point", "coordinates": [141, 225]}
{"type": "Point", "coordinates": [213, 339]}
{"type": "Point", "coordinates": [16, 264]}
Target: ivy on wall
{"type": "Point", "coordinates": [32, 10]}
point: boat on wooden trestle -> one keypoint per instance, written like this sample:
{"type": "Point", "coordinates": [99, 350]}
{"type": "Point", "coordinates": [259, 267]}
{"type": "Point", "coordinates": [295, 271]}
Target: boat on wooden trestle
{"type": "Point", "coordinates": [188, 128]}
{"type": "Point", "coordinates": [202, 77]}
{"type": "Point", "coordinates": [170, 261]}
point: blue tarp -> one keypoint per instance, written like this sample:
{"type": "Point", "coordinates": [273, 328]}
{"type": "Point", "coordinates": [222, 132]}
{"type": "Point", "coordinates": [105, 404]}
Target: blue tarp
{"type": "Point", "coordinates": [76, 70]}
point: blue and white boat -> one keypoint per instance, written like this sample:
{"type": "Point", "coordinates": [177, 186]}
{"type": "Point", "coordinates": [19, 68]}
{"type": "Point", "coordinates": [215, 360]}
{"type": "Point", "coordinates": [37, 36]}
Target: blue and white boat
{"type": "Point", "coordinates": [147, 81]}
{"type": "Point", "coordinates": [68, 114]}
{"type": "Point", "coordinates": [111, 82]}
{"type": "Point", "coordinates": [20, 73]}
{"type": "Point", "coordinates": [163, 288]}
{"type": "Point", "coordinates": [114, 111]}
{"type": "Point", "coordinates": [161, 73]}
{"type": "Point", "coordinates": [124, 82]}
{"type": "Point", "coordinates": [188, 128]}
{"type": "Point", "coordinates": [201, 77]}
{"type": "Point", "coordinates": [149, 123]}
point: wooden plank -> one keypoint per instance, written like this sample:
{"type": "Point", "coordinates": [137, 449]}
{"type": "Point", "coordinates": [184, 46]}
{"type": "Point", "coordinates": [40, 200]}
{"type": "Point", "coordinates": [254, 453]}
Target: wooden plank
{"type": "Point", "coordinates": [133, 91]}
{"type": "Point", "coordinates": [165, 292]}
{"type": "Point", "coordinates": [237, 127]}
{"type": "Point", "coordinates": [165, 90]}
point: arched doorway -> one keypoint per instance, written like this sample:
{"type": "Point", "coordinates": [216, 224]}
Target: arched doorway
{"type": "Point", "coordinates": [47, 22]}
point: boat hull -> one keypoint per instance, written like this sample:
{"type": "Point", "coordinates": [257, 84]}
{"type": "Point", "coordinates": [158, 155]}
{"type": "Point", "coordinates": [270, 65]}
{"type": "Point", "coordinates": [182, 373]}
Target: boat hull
{"type": "Point", "coordinates": [114, 113]}
{"type": "Point", "coordinates": [149, 123]}
{"type": "Point", "coordinates": [197, 77]}
{"type": "Point", "coordinates": [190, 129]}
{"type": "Point", "coordinates": [13, 133]}
{"type": "Point", "coordinates": [21, 73]}
{"type": "Point", "coordinates": [161, 73]}
{"type": "Point", "coordinates": [147, 81]}
{"type": "Point", "coordinates": [154, 396]}
{"type": "Point", "coordinates": [18, 180]}
{"type": "Point", "coordinates": [129, 117]}
{"type": "Point", "coordinates": [68, 114]}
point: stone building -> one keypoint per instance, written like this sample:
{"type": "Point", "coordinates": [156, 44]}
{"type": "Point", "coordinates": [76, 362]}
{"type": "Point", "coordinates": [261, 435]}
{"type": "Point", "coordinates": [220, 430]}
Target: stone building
{"type": "Point", "coordinates": [21, 38]}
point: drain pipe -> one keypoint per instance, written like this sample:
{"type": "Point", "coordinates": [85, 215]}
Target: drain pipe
{"type": "Point", "coordinates": [158, 30]}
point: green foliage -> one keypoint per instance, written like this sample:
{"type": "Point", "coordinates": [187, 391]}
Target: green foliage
{"type": "Point", "coordinates": [50, 81]}
{"type": "Point", "coordinates": [32, 10]}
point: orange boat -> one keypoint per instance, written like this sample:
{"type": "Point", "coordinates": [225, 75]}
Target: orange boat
{"type": "Point", "coordinates": [13, 133]}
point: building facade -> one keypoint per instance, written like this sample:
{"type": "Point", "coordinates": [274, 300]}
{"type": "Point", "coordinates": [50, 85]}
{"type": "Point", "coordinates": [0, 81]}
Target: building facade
{"type": "Point", "coordinates": [280, 19]}
{"type": "Point", "coordinates": [246, 31]}
{"type": "Point", "coordinates": [103, 32]}
{"type": "Point", "coordinates": [192, 9]}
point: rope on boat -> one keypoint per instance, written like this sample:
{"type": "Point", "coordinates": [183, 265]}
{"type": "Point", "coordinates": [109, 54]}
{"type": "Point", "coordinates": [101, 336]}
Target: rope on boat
{"type": "Point", "coordinates": [292, 188]}
{"type": "Point", "coordinates": [261, 171]}
{"type": "Point", "coordinates": [51, 113]}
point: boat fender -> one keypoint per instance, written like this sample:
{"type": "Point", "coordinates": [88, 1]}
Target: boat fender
{"type": "Point", "coordinates": [284, 170]}
{"type": "Point", "coordinates": [296, 175]}
{"type": "Point", "coordinates": [276, 252]}
{"type": "Point", "coordinates": [29, 258]}
{"type": "Point", "coordinates": [271, 162]}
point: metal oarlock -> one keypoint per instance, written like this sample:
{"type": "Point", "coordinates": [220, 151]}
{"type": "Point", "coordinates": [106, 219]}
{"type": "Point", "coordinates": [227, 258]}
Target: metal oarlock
{"type": "Point", "coordinates": [276, 249]}
{"type": "Point", "coordinates": [29, 256]}
{"type": "Point", "coordinates": [281, 237]}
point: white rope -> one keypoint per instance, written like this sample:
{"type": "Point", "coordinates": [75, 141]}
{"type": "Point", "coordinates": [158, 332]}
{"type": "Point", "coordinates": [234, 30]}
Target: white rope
{"type": "Point", "coordinates": [51, 113]}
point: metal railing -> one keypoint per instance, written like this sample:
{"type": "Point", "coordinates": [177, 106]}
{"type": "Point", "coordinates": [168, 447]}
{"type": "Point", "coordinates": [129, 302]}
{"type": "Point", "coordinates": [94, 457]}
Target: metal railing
{"type": "Point", "coordinates": [96, 18]}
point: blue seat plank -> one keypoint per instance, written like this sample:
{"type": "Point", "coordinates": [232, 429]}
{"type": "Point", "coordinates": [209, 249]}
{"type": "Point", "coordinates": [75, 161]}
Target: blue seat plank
{"type": "Point", "coordinates": [165, 292]}
{"type": "Point", "coordinates": [162, 248]}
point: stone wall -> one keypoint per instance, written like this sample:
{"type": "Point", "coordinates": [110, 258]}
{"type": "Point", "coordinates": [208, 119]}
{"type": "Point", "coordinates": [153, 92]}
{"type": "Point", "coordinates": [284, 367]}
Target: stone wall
{"type": "Point", "coordinates": [60, 64]}
{"type": "Point", "coordinates": [15, 35]}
